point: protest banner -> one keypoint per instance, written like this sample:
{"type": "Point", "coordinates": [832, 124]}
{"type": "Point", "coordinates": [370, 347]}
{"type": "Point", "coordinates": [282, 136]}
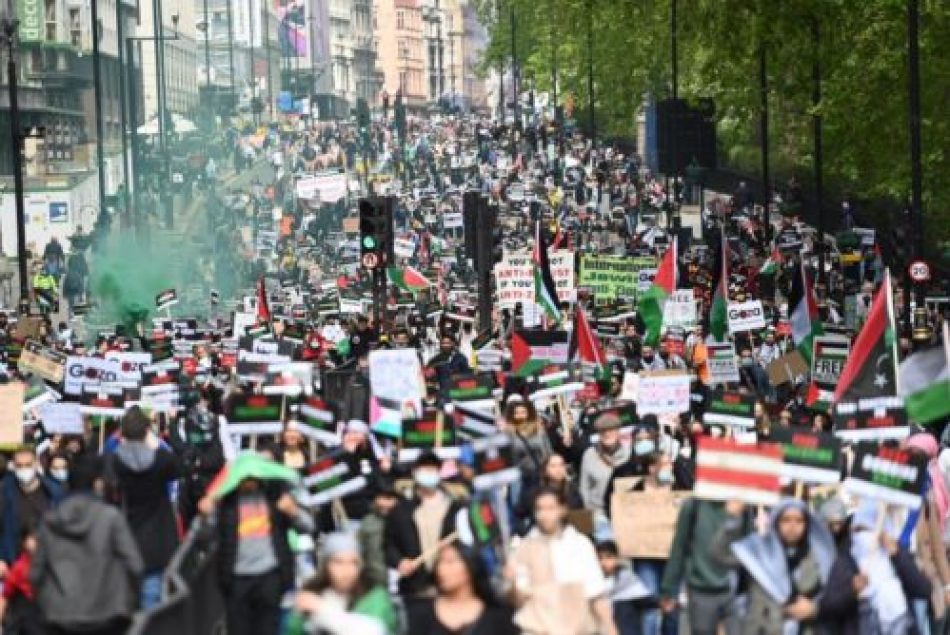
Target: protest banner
{"type": "Point", "coordinates": [472, 423]}
{"type": "Point", "coordinates": [532, 350]}
{"type": "Point", "coordinates": [662, 392]}
{"type": "Point", "coordinates": [871, 418]}
{"type": "Point", "coordinates": [255, 414]}
{"type": "Point", "coordinates": [730, 409]}
{"type": "Point", "coordinates": [11, 415]}
{"type": "Point", "coordinates": [514, 278]}
{"type": "Point", "coordinates": [745, 316]}
{"type": "Point", "coordinates": [829, 354]}
{"type": "Point", "coordinates": [727, 470]}
{"type": "Point", "coordinates": [494, 463]}
{"type": "Point", "coordinates": [88, 371]}
{"type": "Point", "coordinates": [612, 277]}
{"type": "Point", "coordinates": [130, 364]}
{"type": "Point", "coordinates": [644, 522]}
{"type": "Point", "coordinates": [42, 361]}
{"type": "Point", "coordinates": [887, 474]}
{"type": "Point", "coordinates": [61, 418]}
{"type": "Point", "coordinates": [680, 309]}
{"type": "Point", "coordinates": [810, 457]}
{"type": "Point", "coordinates": [787, 369]}
{"type": "Point", "coordinates": [723, 365]}
{"type": "Point", "coordinates": [329, 479]}
{"type": "Point", "coordinates": [398, 387]}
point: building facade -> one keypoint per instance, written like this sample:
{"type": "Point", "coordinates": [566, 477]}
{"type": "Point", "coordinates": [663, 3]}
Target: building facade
{"type": "Point", "coordinates": [400, 41]}
{"type": "Point", "coordinates": [367, 76]}
{"type": "Point", "coordinates": [167, 37]}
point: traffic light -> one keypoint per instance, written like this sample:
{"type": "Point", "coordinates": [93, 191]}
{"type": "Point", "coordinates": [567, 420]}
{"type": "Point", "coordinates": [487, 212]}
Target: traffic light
{"type": "Point", "coordinates": [376, 232]}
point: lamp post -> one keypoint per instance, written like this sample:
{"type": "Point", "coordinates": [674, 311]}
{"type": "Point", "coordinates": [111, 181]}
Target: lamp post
{"type": "Point", "coordinates": [764, 133]}
{"type": "Point", "coordinates": [227, 4]}
{"type": "Point", "coordinates": [252, 70]}
{"type": "Point", "coordinates": [9, 26]}
{"type": "Point", "coordinates": [124, 118]}
{"type": "Point", "coordinates": [916, 248]}
{"type": "Point", "coordinates": [97, 97]}
{"type": "Point", "coordinates": [816, 120]}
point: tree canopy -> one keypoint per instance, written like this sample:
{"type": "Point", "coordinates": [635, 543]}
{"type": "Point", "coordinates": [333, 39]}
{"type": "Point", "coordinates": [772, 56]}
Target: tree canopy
{"type": "Point", "coordinates": [861, 46]}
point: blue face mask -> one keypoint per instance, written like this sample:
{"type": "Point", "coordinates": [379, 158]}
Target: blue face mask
{"type": "Point", "coordinates": [644, 447]}
{"type": "Point", "coordinates": [428, 479]}
{"type": "Point", "coordinates": [665, 476]}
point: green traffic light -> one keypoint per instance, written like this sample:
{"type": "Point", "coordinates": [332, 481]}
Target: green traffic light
{"type": "Point", "coordinates": [369, 242]}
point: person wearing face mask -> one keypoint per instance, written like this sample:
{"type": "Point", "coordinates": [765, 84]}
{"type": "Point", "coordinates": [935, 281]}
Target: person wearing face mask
{"type": "Point", "coordinates": [598, 463]}
{"type": "Point", "coordinates": [415, 528]}
{"type": "Point", "coordinates": [645, 445]}
{"type": "Point", "coordinates": [59, 470]}
{"type": "Point", "coordinates": [26, 497]}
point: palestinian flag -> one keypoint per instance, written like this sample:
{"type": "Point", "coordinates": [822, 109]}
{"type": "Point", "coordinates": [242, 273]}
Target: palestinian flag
{"type": "Point", "coordinates": [651, 303]}
{"type": "Point", "coordinates": [770, 266]}
{"type": "Point", "coordinates": [925, 383]}
{"type": "Point", "coordinates": [586, 346]}
{"type": "Point", "coordinates": [484, 522]}
{"type": "Point", "coordinates": [533, 350]}
{"type": "Point", "coordinates": [718, 314]}
{"type": "Point", "coordinates": [407, 278]}
{"type": "Point", "coordinates": [249, 465]}
{"type": "Point", "coordinates": [871, 370]}
{"type": "Point", "coordinates": [317, 421]}
{"type": "Point", "coordinates": [804, 314]}
{"type": "Point", "coordinates": [263, 309]}
{"type": "Point", "coordinates": [545, 291]}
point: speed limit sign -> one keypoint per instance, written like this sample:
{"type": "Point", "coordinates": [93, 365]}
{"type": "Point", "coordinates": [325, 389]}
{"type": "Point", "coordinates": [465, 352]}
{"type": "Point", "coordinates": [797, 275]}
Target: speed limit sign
{"type": "Point", "coordinates": [919, 271]}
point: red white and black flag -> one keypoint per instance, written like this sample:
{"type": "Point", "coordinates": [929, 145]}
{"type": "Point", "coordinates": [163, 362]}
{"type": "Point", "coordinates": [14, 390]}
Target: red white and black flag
{"type": "Point", "coordinates": [263, 309]}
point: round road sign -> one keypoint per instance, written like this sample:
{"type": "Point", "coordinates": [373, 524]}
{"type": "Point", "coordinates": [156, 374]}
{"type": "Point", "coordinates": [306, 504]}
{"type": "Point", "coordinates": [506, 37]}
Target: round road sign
{"type": "Point", "coordinates": [370, 261]}
{"type": "Point", "coordinates": [919, 271]}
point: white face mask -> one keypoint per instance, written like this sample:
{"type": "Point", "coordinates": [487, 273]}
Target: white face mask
{"type": "Point", "coordinates": [59, 475]}
{"type": "Point", "coordinates": [25, 475]}
{"type": "Point", "coordinates": [427, 478]}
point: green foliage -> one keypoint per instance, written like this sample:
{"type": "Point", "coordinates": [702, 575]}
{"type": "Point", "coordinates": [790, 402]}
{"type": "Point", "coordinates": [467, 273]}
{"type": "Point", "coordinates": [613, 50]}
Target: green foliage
{"type": "Point", "coordinates": [862, 49]}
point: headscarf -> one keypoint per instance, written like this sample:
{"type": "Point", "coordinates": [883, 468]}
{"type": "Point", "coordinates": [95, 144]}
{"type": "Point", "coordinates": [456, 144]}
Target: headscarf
{"type": "Point", "coordinates": [927, 444]}
{"type": "Point", "coordinates": [767, 560]}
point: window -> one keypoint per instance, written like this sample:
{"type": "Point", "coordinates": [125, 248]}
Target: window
{"type": "Point", "coordinates": [400, 19]}
{"type": "Point", "coordinates": [403, 49]}
{"type": "Point", "coordinates": [402, 80]}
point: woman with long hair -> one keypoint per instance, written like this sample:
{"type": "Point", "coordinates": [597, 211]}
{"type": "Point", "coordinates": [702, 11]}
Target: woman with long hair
{"type": "Point", "coordinates": [554, 474]}
{"type": "Point", "coordinates": [342, 599]}
{"type": "Point", "coordinates": [465, 603]}
{"type": "Point", "coordinates": [293, 448]}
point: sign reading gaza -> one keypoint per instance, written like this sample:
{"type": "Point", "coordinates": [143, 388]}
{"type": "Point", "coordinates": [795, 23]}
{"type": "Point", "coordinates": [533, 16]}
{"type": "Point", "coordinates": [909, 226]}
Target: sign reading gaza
{"type": "Point", "coordinates": [746, 316]}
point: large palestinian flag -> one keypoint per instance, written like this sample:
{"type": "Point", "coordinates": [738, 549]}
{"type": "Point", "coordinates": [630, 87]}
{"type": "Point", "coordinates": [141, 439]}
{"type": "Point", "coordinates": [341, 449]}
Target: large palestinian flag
{"type": "Point", "coordinates": [407, 278]}
{"type": "Point", "coordinates": [585, 346]}
{"type": "Point", "coordinates": [925, 383]}
{"type": "Point", "coordinates": [804, 314]}
{"type": "Point", "coordinates": [532, 350]}
{"type": "Point", "coordinates": [545, 291]}
{"type": "Point", "coordinates": [718, 310]}
{"type": "Point", "coordinates": [651, 303]}
{"type": "Point", "coordinates": [871, 370]}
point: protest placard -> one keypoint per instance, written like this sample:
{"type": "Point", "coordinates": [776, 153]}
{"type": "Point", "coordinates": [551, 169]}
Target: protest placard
{"type": "Point", "coordinates": [644, 522]}
{"type": "Point", "coordinates": [887, 474]}
{"type": "Point", "coordinates": [680, 309]}
{"type": "Point", "coordinates": [403, 247]}
{"type": "Point", "coordinates": [42, 361]}
{"type": "Point", "coordinates": [398, 387]}
{"type": "Point", "coordinates": [328, 187]}
{"type": "Point", "coordinates": [331, 478]}
{"type": "Point", "coordinates": [11, 415]}
{"type": "Point", "coordinates": [722, 364]}
{"type": "Point", "coordinates": [89, 371]}
{"type": "Point", "coordinates": [130, 364]}
{"type": "Point", "coordinates": [532, 350]}
{"type": "Point", "coordinates": [317, 421]}
{"type": "Point", "coordinates": [514, 278]}
{"type": "Point", "coordinates": [730, 409]}
{"type": "Point", "coordinates": [494, 464]}
{"type": "Point", "coordinates": [255, 414]}
{"type": "Point", "coordinates": [829, 354]}
{"type": "Point", "coordinates": [663, 392]}
{"type": "Point", "coordinates": [611, 277]}
{"type": "Point", "coordinates": [810, 457]}
{"type": "Point", "coordinates": [727, 470]}
{"type": "Point", "coordinates": [452, 220]}
{"type": "Point", "coordinates": [433, 431]}
{"type": "Point", "coordinates": [473, 423]}
{"type": "Point", "coordinates": [553, 380]}
{"type": "Point", "coordinates": [166, 299]}
{"type": "Point", "coordinates": [105, 399]}
{"type": "Point", "coordinates": [787, 369]}
{"type": "Point", "coordinates": [61, 418]}
{"type": "Point", "coordinates": [872, 418]}
{"type": "Point", "coordinates": [745, 316]}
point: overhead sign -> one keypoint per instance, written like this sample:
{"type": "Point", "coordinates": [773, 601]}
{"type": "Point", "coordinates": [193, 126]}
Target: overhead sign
{"type": "Point", "coordinates": [746, 316]}
{"type": "Point", "coordinates": [611, 277]}
{"type": "Point", "coordinates": [514, 278]}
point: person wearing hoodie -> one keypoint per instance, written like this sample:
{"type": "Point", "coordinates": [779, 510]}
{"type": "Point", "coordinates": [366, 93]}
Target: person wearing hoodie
{"type": "Point", "coordinates": [25, 496]}
{"type": "Point", "coordinates": [139, 474]}
{"type": "Point", "coordinates": [87, 564]}
{"type": "Point", "coordinates": [787, 567]}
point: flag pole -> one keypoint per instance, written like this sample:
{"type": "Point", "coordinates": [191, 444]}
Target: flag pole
{"type": "Point", "coordinates": [891, 324]}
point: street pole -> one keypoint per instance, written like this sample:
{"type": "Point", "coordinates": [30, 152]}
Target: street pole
{"type": "Point", "coordinates": [265, 35]}
{"type": "Point", "coordinates": [250, 50]}
{"type": "Point", "coordinates": [10, 32]}
{"type": "Point", "coordinates": [516, 93]}
{"type": "Point", "coordinates": [590, 73]}
{"type": "Point", "coordinates": [674, 112]}
{"type": "Point", "coordinates": [208, 62]}
{"type": "Point", "coordinates": [133, 137]}
{"type": "Point", "coordinates": [126, 171]}
{"type": "Point", "coordinates": [764, 133]}
{"type": "Point", "coordinates": [231, 54]}
{"type": "Point", "coordinates": [916, 168]}
{"type": "Point", "coordinates": [816, 118]}
{"type": "Point", "coordinates": [97, 96]}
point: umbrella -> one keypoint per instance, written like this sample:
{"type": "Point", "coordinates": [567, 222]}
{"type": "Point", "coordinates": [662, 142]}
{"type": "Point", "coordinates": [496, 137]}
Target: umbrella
{"type": "Point", "coordinates": [249, 465]}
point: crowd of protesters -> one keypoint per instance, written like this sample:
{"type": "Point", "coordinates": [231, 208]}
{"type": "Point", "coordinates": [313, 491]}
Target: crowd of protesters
{"type": "Point", "coordinates": [90, 522]}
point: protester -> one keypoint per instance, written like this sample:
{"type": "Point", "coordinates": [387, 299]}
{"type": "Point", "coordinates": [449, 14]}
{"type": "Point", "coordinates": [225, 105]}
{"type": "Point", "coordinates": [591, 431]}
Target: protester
{"type": "Point", "coordinates": [27, 496]}
{"type": "Point", "coordinates": [627, 593]}
{"type": "Point", "coordinates": [87, 563]}
{"type": "Point", "coordinates": [19, 612]}
{"type": "Point", "coordinates": [372, 532]}
{"type": "Point", "coordinates": [600, 461]}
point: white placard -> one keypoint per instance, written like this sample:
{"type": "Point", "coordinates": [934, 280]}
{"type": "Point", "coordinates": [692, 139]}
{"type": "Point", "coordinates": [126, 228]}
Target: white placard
{"type": "Point", "coordinates": [89, 371]}
{"type": "Point", "coordinates": [721, 362]}
{"type": "Point", "coordinates": [130, 364]}
{"type": "Point", "coordinates": [663, 392]}
{"type": "Point", "coordinates": [746, 316]}
{"type": "Point", "coordinates": [645, 279]}
{"type": "Point", "coordinates": [396, 379]}
{"type": "Point", "coordinates": [514, 278]}
{"type": "Point", "coordinates": [680, 309]}
{"type": "Point", "coordinates": [452, 220]}
{"type": "Point", "coordinates": [61, 418]}
{"type": "Point", "coordinates": [403, 247]}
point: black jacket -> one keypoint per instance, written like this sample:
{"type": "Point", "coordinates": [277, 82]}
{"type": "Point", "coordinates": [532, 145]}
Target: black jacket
{"type": "Point", "coordinates": [402, 542]}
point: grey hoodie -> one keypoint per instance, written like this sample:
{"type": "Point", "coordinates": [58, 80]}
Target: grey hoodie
{"type": "Point", "coordinates": [86, 564]}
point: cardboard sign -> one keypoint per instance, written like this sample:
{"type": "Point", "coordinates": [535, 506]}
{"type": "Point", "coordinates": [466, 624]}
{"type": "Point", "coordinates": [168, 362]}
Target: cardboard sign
{"type": "Point", "coordinates": [42, 362]}
{"type": "Point", "coordinates": [331, 478]}
{"type": "Point", "coordinates": [810, 457]}
{"type": "Point", "coordinates": [787, 369]}
{"type": "Point", "coordinates": [166, 299]}
{"type": "Point", "coordinates": [11, 415]}
{"type": "Point", "coordinates": [61, 418]}
{"type": "Point", "coordinates": [514, 278]}
{"type": "Point", "coordinates": [887, 474]}
{"type": "Point", "coordinates": [663, 392]}
{"type": "Point", "coordinates": [730, 409]}
{"type": "Point", "coordinates": [611, 277]}
{"type": "Point", "coordinates": [494, 463]}
{"type": "Point", "coordinates": [727, 470]}
{"type": "Point", "coordinates": [745, 316]}
{"type": "Point", "coordinates": [723, 365]}
{"type": "Point", "coordinates": [644, 522]}
{"type": "Point", "coordinates": [872, 418]}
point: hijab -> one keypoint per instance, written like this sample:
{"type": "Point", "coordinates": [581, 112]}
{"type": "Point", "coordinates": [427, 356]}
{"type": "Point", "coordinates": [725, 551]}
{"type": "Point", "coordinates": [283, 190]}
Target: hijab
{"type": "Point", "coordinates": [927, 444]}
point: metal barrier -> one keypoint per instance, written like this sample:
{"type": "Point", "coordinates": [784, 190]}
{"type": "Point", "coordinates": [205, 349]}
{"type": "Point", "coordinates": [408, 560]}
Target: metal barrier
{"type": "Point", "coordinates": [191, 600]}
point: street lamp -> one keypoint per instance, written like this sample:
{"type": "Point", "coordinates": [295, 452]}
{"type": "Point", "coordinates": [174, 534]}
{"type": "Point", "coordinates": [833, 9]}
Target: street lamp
{"type": "Point", "coordinates": [205, 27]}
